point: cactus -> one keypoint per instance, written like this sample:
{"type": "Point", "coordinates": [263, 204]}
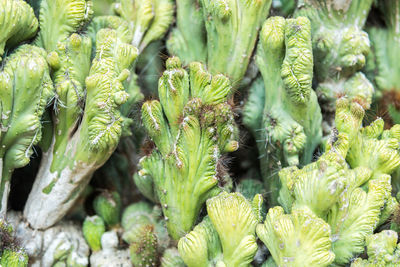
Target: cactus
{"type": "Point", "coordinates": [86, 127]}
{"type": "Point", "coordinates": [227, 236]}
{"type": "Point", "coordinates": [284, 116]}
{"type": "Point", "coordinates": [93, 228]}
{"type": "Point", "coordinates": [192, 121]}
{"type": "Point", "coordinates": [340, 48]}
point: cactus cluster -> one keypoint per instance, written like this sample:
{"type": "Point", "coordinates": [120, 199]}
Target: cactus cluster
{"type": "Point", "coordinates": [228, 133]}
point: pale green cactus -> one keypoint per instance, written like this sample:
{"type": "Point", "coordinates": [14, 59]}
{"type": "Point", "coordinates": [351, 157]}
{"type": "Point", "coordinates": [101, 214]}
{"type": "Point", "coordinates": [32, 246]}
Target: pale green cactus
{"type": "Point", "coordinates": [93, 228]}
{"type": "Point", "coordinates": [18, 23]}
{"type": "Point", "coordinates": [348, 197]}
{"type": "Point", "coordinates": [136, 216]}
{"type": "Point", "coordinates": [382, 250]}
{"type": "Point", "coordinates": [389, 212]}
{"type": "Point", "coordinates": [284, 116]}
{"type": "Point", "coordinates": [25, 73]}
{"type": "Point", "coordinates": [59, 19]}
{"type": "Point", "coordinates": [385, 45]}
{"type": "Point", "coordinates": [355, 216]}
{"type": "Point", "coordinates": [227, 236]}
{"type": "Point", "coordinates": [231, 29]}
{"type": "Point", "coordinates": [148, 20]}
{"type": "Point", "coordinates": [376, 148]}
{"type": "Point", "coordinates": [125, 34]}
{"type": "Point", "coordinates": [191, 126]}
{"type": "Point", "coordinates": [340, 48]}
{"type": "Point", "coordinates": [87, 122]}
{"type": "Point", "coordinates": [296, 239]}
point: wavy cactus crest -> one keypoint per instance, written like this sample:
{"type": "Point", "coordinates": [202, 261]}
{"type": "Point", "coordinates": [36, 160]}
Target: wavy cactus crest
{"type": "Point", "coordinates": [25, 73]}
{"type": "Point", "coordinates": [340, 48]}
{"type": "Point", "coordinates": [191, 126]}
{"type": "Point", "coordinates": [296, 239]}
{"type": "Point", "coordinates": [18, 23]}
{"type": "Point", "coordinates": [90, 138]}
{"type": "Point", "coordinates": [227, 236]}
{"type": "Point", "coordinates": [59, 19]}
{"type": "Point", "coordinates": [382, 250]}
{"type": "Point", "coordinates": [347, 197]}
{"type": "Point", "coordinates": [284, 116]}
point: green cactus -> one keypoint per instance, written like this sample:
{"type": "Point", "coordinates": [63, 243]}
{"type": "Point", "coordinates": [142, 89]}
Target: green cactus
{"type": "Point", "coordinates": [382, 250]}
{"type": "Point", "coordinates": [348, 198]}
{"type": "Point", "coordinates": [227, 236]}
{"type": "Point", "coordinates": [138, 219]}
{"type": "Point", "coordinates": [59, 19]}
{"type": "Point", "coordinates": [87, 122]}
{"type": "Point", "coordinates": [340, 48]}
{"type": "Point", "coordinates": [191, 126]}
{"type": "Point", "coordinates": [296, 239]}
{"type": "Point", "coordinates": [385, 45]}
{"type": "Point", "coordinates": [143, 252]}
{"type": "Point", "coordinates": [108, 206]}
{"type": "Point", "coordinates": [18, 23]}
{"type": "Point", "coordinates": [284, 116]}
{"type": "Point", "coordinates": [93, 228]}
{"type": "Point", "coordinates": [25, 73]}
{"type": "Point", "coordinates": [102, 7]}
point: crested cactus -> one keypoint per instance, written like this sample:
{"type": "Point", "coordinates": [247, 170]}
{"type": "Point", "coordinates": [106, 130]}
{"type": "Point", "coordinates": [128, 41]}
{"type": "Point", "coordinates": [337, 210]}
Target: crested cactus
{"type": "Point", "coordinates": [284, 115]}
{"type": "Point", "coordinates": [73, 74]}
{"type": "Point", "coordinates": [385, 46]}
{"type": "Point", "coordinates": [188, 40]}
{"type": "Point", "coordinates": [340, 48]}
{"type": "Point", "coordinates": [191, 126]}
{"type": "Point", "coordinates": [296, 239]}
{"type": "Point", "coordinates": [25, 73]}
{"type": "Point", "coordinates": [87, 122]}
{"type": "Point", "coordinates": [344, 197]}
{"type": "Point", "coordinates": [382, 250]}
{"type": "Point", "coordinates": [18, 23]}
{"type": "Point", "coordinates": [227, 236]}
